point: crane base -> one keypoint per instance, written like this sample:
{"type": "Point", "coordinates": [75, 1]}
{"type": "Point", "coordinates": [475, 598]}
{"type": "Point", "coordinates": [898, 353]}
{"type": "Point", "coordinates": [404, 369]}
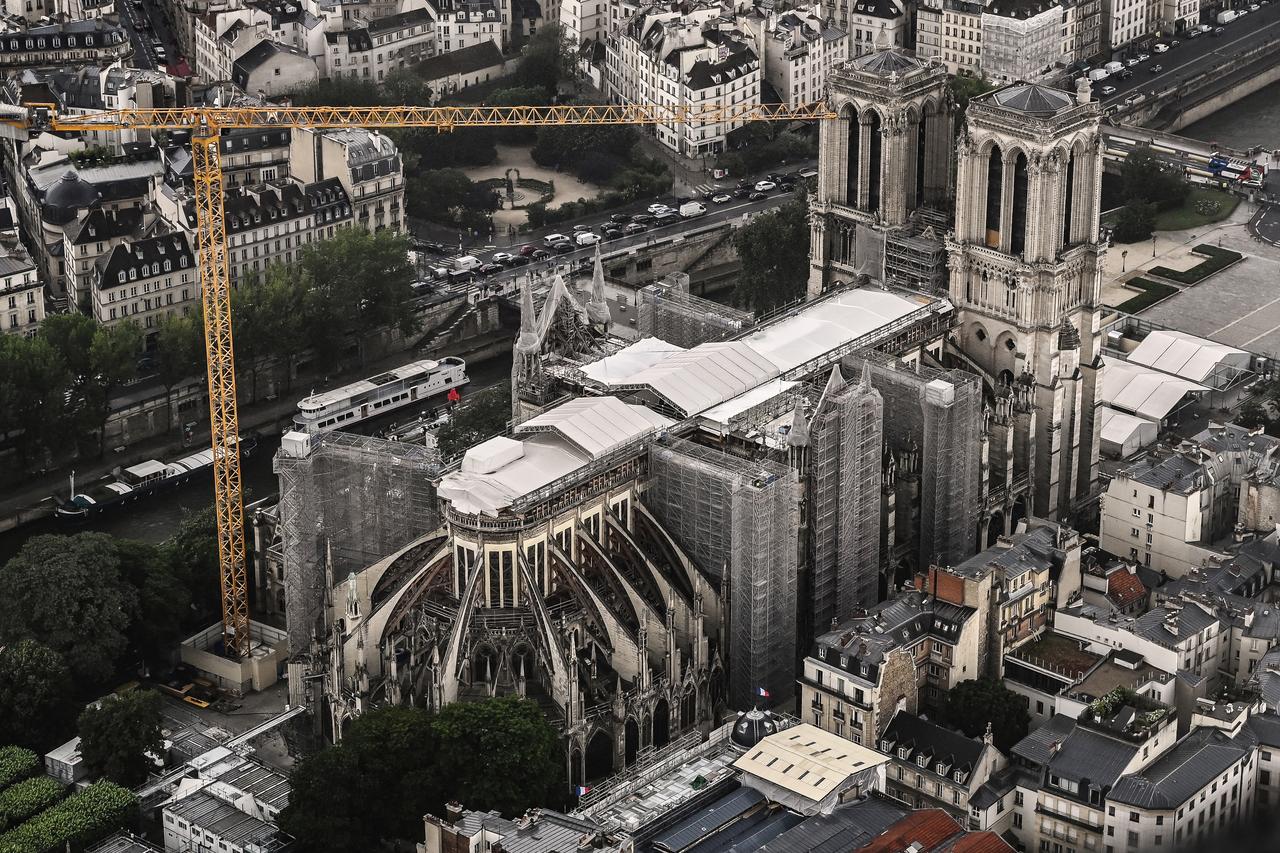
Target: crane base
{"type": "Point", "coordinates": [256, 671]}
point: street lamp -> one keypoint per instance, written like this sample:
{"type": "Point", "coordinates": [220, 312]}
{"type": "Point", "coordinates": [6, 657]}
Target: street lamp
{"type": "Point", "coordinates": [1153, 245]}
{"type": "Point", "coordinates": [1124, 259]}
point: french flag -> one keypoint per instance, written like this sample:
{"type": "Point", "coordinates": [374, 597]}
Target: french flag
{"type": "Point", "coordinates": [762, 693]}
{"type": "Point", "coordinates": [581, 790]}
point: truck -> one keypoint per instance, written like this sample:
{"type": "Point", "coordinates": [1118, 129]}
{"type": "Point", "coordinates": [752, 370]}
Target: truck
{"type": "Point", "coordinates": [1099, 74]}
{"type": "Point", "coordinates": [1227, 16]}
{"type": "Point", "coordinates": [689, 210]}
{"type": "Point", "coordinates": [467, 263]}
{"type": "Point", "coordinates": [1113, 67]}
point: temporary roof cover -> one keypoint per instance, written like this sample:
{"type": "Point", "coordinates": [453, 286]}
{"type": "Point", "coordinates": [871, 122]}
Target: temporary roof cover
{"type": "Point", "coordinates": [1143, 391]}
{"type": "Point", "coordinates": [1125, 433]}
{"type": "Point", "coordinates": [1186, 355]}
{"type": "Point", "coordinates": [806, 762]}
{"type": "Point", "coordinates": [550, 446]}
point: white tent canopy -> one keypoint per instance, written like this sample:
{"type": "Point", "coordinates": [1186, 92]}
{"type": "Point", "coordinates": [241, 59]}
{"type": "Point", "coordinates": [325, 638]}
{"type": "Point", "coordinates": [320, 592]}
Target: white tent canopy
{"type": "Point", "coordinates": [1197, 359]}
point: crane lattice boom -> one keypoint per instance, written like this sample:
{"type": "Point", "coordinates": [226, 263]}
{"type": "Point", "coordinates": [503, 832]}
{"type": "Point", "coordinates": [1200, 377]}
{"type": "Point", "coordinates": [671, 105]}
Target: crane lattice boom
{"type": "Point", "coordinates": [206, 125]}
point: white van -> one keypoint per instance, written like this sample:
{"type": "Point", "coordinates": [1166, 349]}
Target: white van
{"type": "Point", "coordinates": [467, 263]}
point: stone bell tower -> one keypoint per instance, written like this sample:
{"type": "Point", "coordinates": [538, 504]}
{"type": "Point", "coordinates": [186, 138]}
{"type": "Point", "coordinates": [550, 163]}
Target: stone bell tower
{"type": "Point", "coordinates": [1025, 271]}
{"type": "Point", "coordinates": [887, 155]}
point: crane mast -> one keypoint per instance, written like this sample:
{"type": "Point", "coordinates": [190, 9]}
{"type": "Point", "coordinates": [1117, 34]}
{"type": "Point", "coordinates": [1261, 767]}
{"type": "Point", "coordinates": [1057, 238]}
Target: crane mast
{"type": "Point", "coordinates": [206, 125]}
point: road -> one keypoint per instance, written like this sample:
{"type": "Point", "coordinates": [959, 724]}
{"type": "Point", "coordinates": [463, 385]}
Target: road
{"type": "Point", "coordinates": [735, 209]}
{"type": "Point", "coordinates": [145, 23]}
{"type": "Point", "coordinates": [1196, 55]}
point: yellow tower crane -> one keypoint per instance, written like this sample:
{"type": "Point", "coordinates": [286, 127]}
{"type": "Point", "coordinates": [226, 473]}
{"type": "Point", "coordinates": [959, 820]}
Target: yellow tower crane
{"type": "Point", "coordinates": [206, 125]}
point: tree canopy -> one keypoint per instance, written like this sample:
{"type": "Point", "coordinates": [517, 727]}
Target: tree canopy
{"type": "Point", "coordinates": [973, 705]}
{"type": "Point", "coordinates": [34, 691]}
{"type": "Point", "coordinates": [1144, 176]}
{"type": "Point", "coordinates": [1135, 222]}
{"type": "Point", "coordinates": [497, 754]}
{"type": "Point", "coordinates": [68, 594]}
{"type": "Point", "coordinates": [479, 416]}
{"type": "Point", "coordinates": [774, 250]}
{"type": "Point", "coordinates": [117, 735]}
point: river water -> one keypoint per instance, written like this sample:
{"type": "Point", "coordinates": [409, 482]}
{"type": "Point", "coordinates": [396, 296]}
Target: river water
{"type": "Point", "coordinates": [1251, 121]}
{"type": "Point", "coordinates": [155, 519]}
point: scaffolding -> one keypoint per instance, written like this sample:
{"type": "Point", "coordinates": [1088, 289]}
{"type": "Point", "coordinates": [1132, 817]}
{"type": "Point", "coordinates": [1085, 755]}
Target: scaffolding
{"type": "Point", "coordinates": [670, 313]}
{"type": "Point", "coordinates": [935, 419]}
{"type": "Point", "coordinates": [348, 501]}
{"type": "Point", "coordinates": [739, 520]}
{"type": "Point", "coordinates": [915, 256]}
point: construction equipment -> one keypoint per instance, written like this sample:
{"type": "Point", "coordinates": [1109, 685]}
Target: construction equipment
{"type": "Point", "coordinates": [206, 125]}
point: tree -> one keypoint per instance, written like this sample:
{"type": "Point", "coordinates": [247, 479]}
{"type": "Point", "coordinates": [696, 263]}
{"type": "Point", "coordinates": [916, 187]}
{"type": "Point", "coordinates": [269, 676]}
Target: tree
{"type": "Point", "coordinates": [191, 556]}
{"type": "Point", "coordinates": [359, 282]}
{"type": "Point", "coordinates": [387, 754]}
{"type": "Point", "coordinates": [964, 88]}
{"type": "Point", "coordinates": [449, 197]}
{"type": "Point", "coordinates": [67, 593]}
{"type": "Point", "coordinates": [1135, 222]}
{"type": "Point", "coordinates": [163, 590]}
{"type": "Point", "coordinates": [33, 401]}
{"type": "Point", "coordinates": [973, 705]}
{"type": "Point", "coordinates": [113, 359]}
{"type": "Point", "coordinates": [479, 416]}
{"type": "Point", "coordinates": [774, 249]}
{"type": "Point", "coordinates": [72, 336]}
{"type": "Point", "coordinates": [499, 754]}
{"type": "Point", "coordinates": [1146, 177]}
{"type": "Point", "coordinates": [280, 301]}
{"type": "Point", "coordinates": [119, 736]}
{"type": "Point", "coordinates": [179, 355]}
{"type": "Point", "coordinates": [548, 58]}
{"type": "Point", "coordinates": [340, 92]}
{"type": "Point", "coordinates": [1252, 415]}
{"type": "Point", "coordinates": [35, 688]}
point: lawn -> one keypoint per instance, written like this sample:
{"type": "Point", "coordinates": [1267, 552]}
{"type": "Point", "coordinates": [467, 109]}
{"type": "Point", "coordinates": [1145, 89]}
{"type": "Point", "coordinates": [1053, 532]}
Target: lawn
{"type": "Point", "coordinates": [1152, 292]}
{"type": "Point", "coordinates": [1188, 216]}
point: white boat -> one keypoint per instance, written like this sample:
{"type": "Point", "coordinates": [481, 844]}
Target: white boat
{"type": "Point", "coordinates": [415, 382]}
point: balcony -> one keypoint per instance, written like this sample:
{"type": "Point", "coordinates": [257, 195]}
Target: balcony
{"type": "Point", "coordinates": [1066, 817]}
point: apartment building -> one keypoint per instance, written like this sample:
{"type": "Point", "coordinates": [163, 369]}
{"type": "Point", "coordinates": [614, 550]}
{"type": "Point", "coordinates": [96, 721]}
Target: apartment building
{"type": "Point", "coordinates": [75, 42]}
{"type": "Point", "coordinates": [1123, 21]}
{"type": "Point", "coordinates": [146, 281]}
{"type": "Point", "coordinates": [1021, 39]}
{"type": "Point", "coordinates": [584, 20]}
{"type": "Point", "coordinates": [1081, 30]}
{"type": "Point", "coordinates": [1180, 636]}
{"type": "Point", "coordinates": [931, 767]}
{"type": "Point", "coordinates": [365, 162]}
{"type": "Point", "coordinates": [1173, 510]}
{"type": "Point", "coordinates": [94, 237]}
{"type": "Point", "coordinates": [1177, 16]}
{"type": "Point", "coordinates": [798, 49]}
{"type": "Point", "coordinates": [463, 23]}
{"type": "Point", "coordinates": [870, 24]}
{"type": "Point", "coordinates": [1012, 586]}
{"type": "Point", "coordinates": [950, 31]}
{"type": "Point", "coordinates": [1201, 787]}
{"type": "Point", "coordinates": [268, 223]}
{"type": "Point", "coordinates": [21, 292]}
{"type": "Point", "coordinates": [683, 58]}
{"type": "Point", "coordinates": [272, 70]}
{"type": "Point", "coordinates": [372, 50]}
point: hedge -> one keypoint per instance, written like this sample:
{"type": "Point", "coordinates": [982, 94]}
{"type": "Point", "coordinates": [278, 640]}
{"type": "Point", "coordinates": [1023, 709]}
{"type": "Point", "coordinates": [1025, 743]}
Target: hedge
{"type": "Point", "coordinates": [21, 801]}
{"type": "Point", "coordinates": [1152, 292]}
{"type": "Point", "coordinates": [16, 764]}
{"type": "Point", "coordinates": [81, 819]}
{"type": "Point", "coordinates": [1216, 260]}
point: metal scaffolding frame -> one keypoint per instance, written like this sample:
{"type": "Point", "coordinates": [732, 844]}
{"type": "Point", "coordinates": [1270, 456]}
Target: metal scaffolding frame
{"type": "Point", "coordinates": [739, 519]}
{"type": "Point", "coordinates": [670, 313]}
{"type": "Point", "coordinates": [348, 501]}
{"type": "Point", "coordinates": [914, 255]}
{"type": "Point", "coordinates": [936, 414]}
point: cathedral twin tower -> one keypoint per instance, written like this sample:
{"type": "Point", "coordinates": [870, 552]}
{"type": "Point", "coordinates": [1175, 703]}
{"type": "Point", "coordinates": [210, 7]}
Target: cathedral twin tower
{"type": "Point", "coordinates": [1006, 205]}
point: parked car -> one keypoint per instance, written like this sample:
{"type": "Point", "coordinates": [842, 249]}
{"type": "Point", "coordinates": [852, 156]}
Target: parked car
{"type": "Point", "coordinates": [634, 228]}
{"type": "Point", "coordinates": [666, 218]}
{"type": "Point", "coordinates": [489, 269]}
{"type": "Point", "coordinates": [1108, 90]}
{"type": "Point", "coordinates": [765, 186]}
{"type": "Point", "coordinates": [658, 209]}
{"type": "Point", "coordinates": [1217, 31]}
{"type": "Point", "coordinates": [1131, 61]}
{"type": "Point", "coordinates": [520, 261]}
{"type": "Point", "coordinates": [611, 233]}
{"type": "Point", "coordinates": [503, 258]}
{"type": "Point", "coordinates": [742, 192]}
{"type": "Point", "coordinates": [539, 255]}
{"type": "Point", "coordinates": [1174, 42]}
{"type": "Point", "coordinates": [757, 196]}
{"type": "Point", "coordinates": [1124, 73]}
{"type": "Point", "coordinates": [721, 198]}
{"type": "Point", "coordinates": [1161, 48]}
{"type": "Point", "coordinates": [551, 239]}
{"type": "Point", "coordinates": [1143, 57]}
{"type": "Point", "coordinates": [578, 229]}
{"type": "Point", "coordinates": [1193, 34]}
{"type": "Point", "coordinates": [642, 218]}
{"type": "Point", "coordinates": [1157, 68]}
{"type": "Point", "coordinates": [620, 218]}
{"type": "Point", "coordinates": [527, 250]}
{"type": "Point", "coordinates": [564, 247]}
{"type": "Point", "coordinates": [587, 238]}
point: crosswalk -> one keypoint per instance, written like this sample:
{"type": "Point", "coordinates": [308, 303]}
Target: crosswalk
{"type": "Point", "coordinates": [703, 189]}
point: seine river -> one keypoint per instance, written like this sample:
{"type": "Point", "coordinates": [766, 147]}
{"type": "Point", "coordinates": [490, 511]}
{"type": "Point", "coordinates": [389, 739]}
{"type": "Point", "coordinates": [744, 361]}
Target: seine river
{"type": "Point", "coordinates": [1250, 122]}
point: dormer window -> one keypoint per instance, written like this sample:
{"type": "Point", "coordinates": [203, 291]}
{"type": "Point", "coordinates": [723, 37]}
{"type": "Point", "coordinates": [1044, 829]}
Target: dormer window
{"type": "Point", "coordinates": [958, 776]}
{"type": "Point", "coordinates": [903, 752]}
{"type": "Point", "coordinates": [167, 266]}
{"type": "Point", "coordinates": [133, 273]}
{"type": "Point", "coordinates": [920, 761]}
{"type": "Point", "coordinates": [941, 769]}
